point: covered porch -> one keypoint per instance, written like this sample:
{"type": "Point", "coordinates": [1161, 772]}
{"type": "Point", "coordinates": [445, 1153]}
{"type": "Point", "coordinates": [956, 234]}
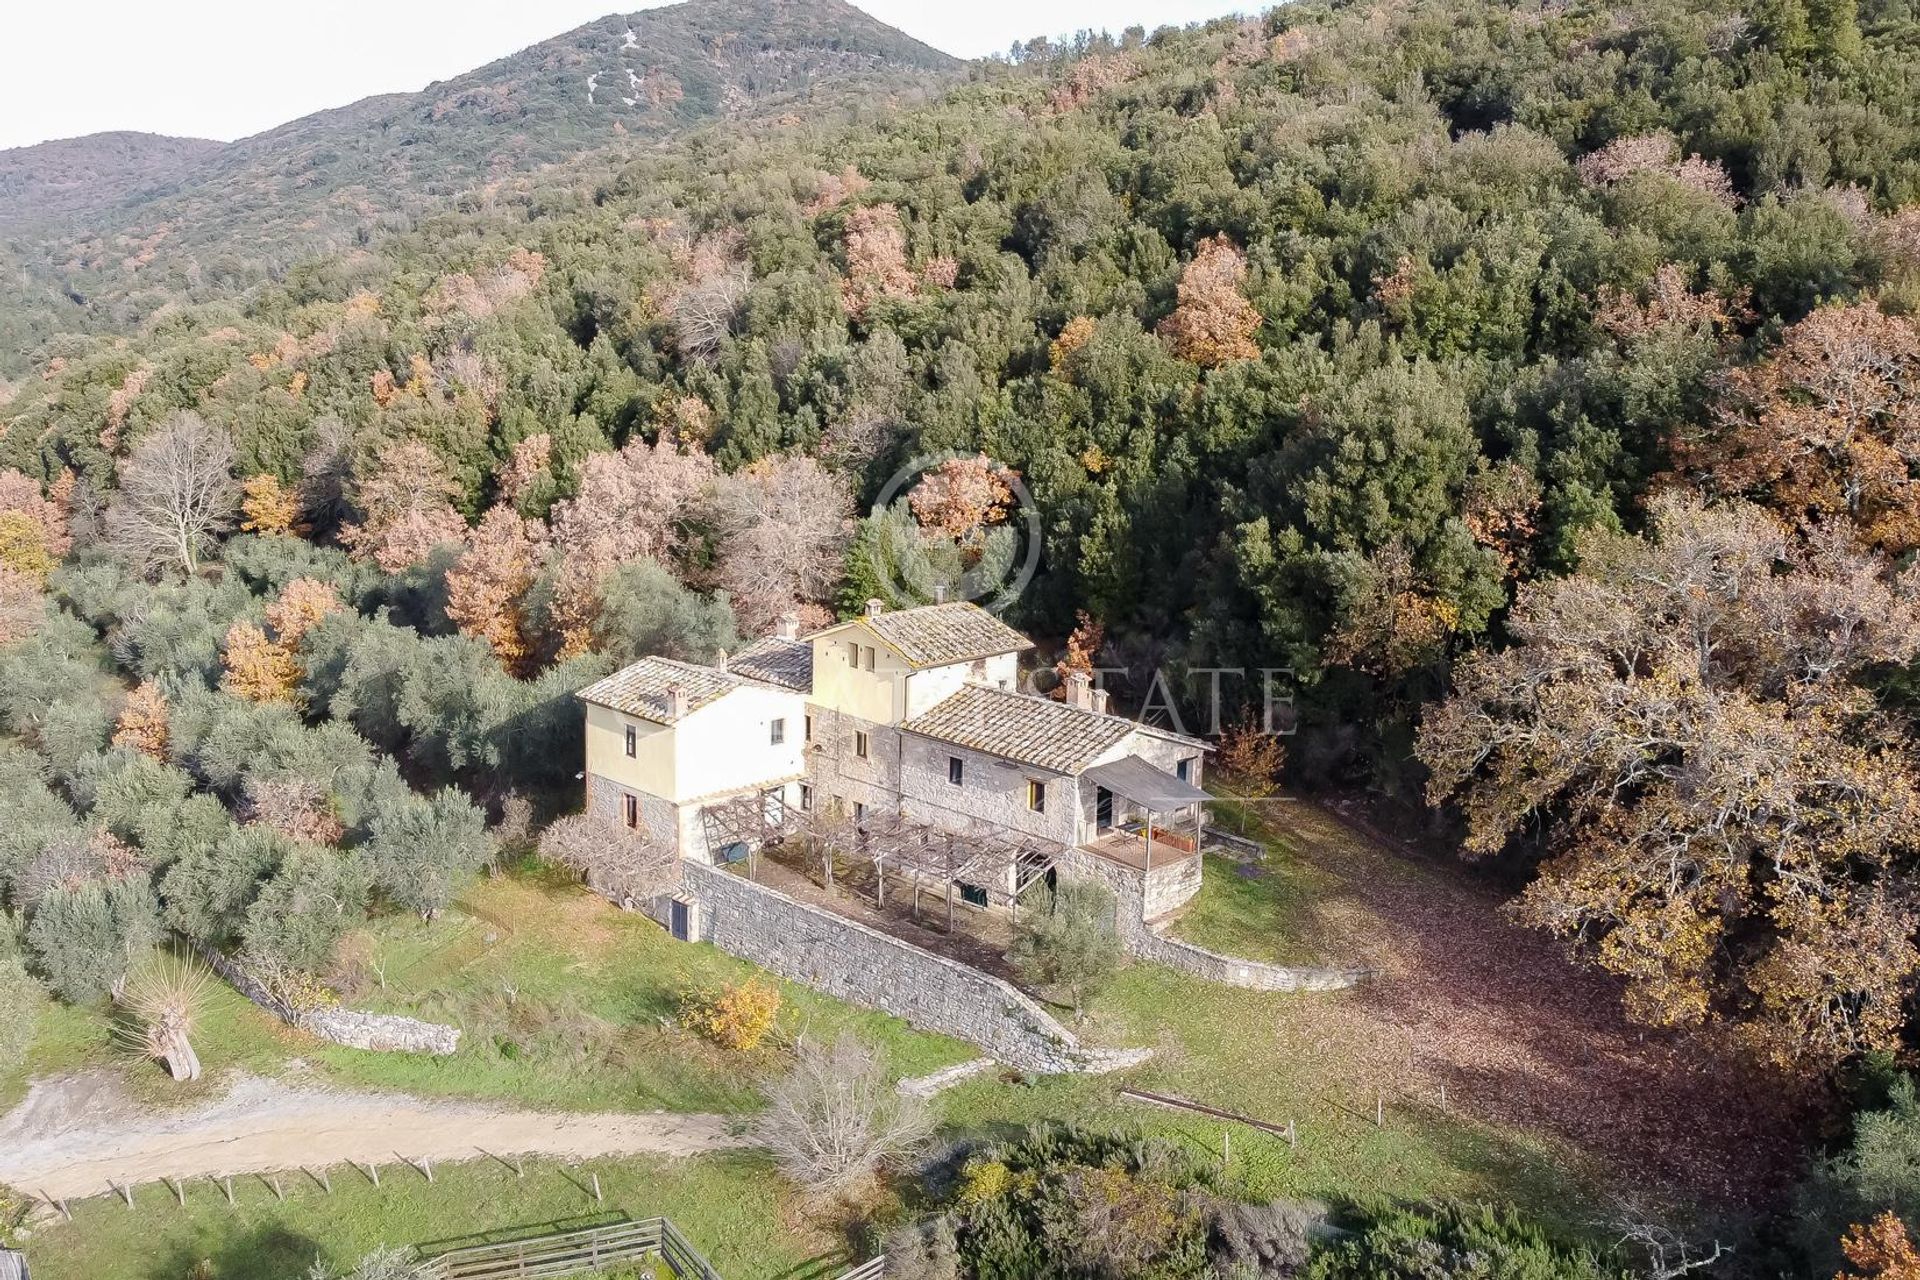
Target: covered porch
{"type": "Point", "coordinates": [1149, 821]}
{"type": "Point", "coordinates": [1139, 814]}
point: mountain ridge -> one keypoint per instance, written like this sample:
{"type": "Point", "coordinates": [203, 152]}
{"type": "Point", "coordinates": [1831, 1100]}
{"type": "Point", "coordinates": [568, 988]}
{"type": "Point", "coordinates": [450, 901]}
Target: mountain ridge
{"type": "Point", "coordinates": [140, 219]}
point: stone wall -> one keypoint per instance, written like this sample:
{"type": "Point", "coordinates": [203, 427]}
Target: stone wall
{"type": "Point", "coordinates": [659, 818]}
{"type": "Point", "coordinates": [846, 959]}
{"type": "Point", "coordinates": [1172, 882]}
{"type": "Point", "coordinates": [385, 1032]}
{"type": "Point", "coordinates": [1143, 942]}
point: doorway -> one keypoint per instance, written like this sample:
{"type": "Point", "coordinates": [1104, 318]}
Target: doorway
{"type": "Point", "coordinates": [1102, 811]}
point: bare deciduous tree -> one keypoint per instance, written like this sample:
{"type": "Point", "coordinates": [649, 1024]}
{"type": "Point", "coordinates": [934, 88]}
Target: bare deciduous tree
{"type": "Point", "coordinates": [177, 495]}
{"type": "Point", "coordinates": [784, 523]}
{"type": "Point", "coordinates": [619, 863]}
{"type": "Point", "coordinates": [835, 1120]}
{"type": "Point", "coordinates": [703, 312]}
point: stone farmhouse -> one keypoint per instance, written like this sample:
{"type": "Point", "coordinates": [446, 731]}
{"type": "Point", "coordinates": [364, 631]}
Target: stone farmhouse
{"type": "Point", "coordinates": [901, 739]}
{"type": "Point", "coordinates": [912, 712]}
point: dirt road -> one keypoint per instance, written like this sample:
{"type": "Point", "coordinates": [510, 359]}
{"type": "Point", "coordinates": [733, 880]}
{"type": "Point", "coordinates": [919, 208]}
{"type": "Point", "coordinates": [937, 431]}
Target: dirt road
{"type": "Point", "coordinates": [72, 1137]}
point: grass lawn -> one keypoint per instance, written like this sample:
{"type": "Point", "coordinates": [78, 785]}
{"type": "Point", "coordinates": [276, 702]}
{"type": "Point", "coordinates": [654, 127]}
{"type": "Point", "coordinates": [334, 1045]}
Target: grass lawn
{"type": "Point", "coordinates": [729, 1206]}
{"type": "Point", "coordinates": [1251, 909]}
{"type": "Point", "coordinates": [1279, 1057]}
{"type": "Point", "coordinates": [567, 1003]}
{"type": "Point", "coordinates": [571, 1009]}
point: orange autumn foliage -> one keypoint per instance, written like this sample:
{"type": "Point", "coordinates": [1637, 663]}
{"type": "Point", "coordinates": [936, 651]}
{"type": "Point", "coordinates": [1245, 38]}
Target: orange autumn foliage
{"type": "Point", "coordinates": [1214, 323]}
{"type": "Point", "coordinates": [267, 506]}
{"type": "Point", "coordinates": [303, 603]}
{"type": "Point", "coordinates": [143, 721]}
{"type": "Point", "coordinates": [257, 669]}
{"type": "Point", "coordinates": [1880, 1250]}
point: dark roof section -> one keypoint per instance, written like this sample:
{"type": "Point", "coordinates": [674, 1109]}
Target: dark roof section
{"type": "Point", "coordinates": [935, 635]}
{"type": "Point", "coordinates": [1022, 727]}
{"type": "Point", "coordinates": [787, 663]}
{"type": "Point", "coordinates": [1145, 784]}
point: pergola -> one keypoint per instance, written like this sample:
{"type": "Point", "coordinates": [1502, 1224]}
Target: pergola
{"type": "Point", "coordinates": [1153, 790]}
{"type": "Point", "coordinates": [996, 862]}
{"type": "Point", "coordinates": [749, 823]}
{"type": "Point", "coordinates": [989, 858]}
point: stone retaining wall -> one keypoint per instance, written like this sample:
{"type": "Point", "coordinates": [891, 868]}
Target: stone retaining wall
{"type": "Point", "coordinates": [849, 960]}
{"type": "Point", "coordinates": [385, 1032]}
{"type": "Point", "coordinates": [1142, 941]}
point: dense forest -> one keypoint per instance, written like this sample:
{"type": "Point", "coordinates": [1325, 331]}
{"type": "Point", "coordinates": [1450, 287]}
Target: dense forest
{"type": "Point", "coordinates": [1534, 383]}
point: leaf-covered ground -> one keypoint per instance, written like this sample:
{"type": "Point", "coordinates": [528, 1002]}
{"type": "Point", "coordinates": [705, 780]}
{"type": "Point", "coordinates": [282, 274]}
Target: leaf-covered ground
{"type": "Point", "coordinates": [1517, 1033]}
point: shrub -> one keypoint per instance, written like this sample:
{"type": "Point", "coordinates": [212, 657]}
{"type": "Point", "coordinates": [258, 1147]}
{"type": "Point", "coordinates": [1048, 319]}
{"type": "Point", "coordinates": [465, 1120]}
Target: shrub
{"type": "Point", "coordinates": [1452, 1242]}
{"type": "Point", "coordinates": [1068, 1201]}
{"type": "Point", "coordinates": [836, 1120]}
{"type": "Point", "coordinates": [1269, 1239]}
{"type": "Point", "coordinates": [736, 1016]}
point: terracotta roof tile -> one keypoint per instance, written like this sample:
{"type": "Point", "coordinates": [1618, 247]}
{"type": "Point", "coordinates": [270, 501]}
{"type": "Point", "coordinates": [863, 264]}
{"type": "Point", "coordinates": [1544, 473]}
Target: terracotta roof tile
{"type": "Point", "coordinates": [1022, 727]}
{"type": "Point", "coordinates": [641, 689]}
{"type": "Point", "coordinates": [787, 663]}
{"type": "Point", "coordinates": [936, 634]}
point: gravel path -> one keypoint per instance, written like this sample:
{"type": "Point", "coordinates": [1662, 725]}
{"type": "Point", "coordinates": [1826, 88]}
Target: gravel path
{"type": "Point", "coordinates": [74, 1136]}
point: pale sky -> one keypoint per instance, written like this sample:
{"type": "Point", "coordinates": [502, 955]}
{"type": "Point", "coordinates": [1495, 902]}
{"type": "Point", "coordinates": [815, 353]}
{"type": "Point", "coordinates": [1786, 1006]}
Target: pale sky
{"type": "Point", "coordinates": [228, 68]}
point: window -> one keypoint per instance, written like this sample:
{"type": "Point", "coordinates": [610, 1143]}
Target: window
{"type": "Point", "coordinates": [633, 810]}
{"type": "Point", "coordinates": [859, 812]}
{"type": "Point", "coordinates": [956, 770]}
{"type": "Point", "coordinates": [866, 657]}
{"type": "Point", "coordinates": [1036, 795]}
{"type": "Point", "coordinates": [633, 741]}
{"type": "Point", "coordinates": [1184, 770]}
{"type": "Point", "coordinates": [807, 728]}
{"type": "Point", "coordinates": [860, 743]}
{"type": "Point", "coordinates": [971, 894]}
{"type": "Point", "coordinates": [853, 653]}
{"type": "Point", "coordinates": [778, 732]}
{"type": "Point", "coordinates": [806, 798]}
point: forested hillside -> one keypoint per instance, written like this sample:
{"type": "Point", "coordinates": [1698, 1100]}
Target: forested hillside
{"type": "Point", "coordinates": [1535, 382]}
{"type": "Point", "coordinates": [99, 232]}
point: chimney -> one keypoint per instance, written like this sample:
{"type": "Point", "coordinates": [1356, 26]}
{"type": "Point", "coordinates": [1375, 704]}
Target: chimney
{"type": "Point", "coordinates": [1079, 690]}
{"type": "Point", "coordinates": [874, 607]}
{"type": "Point", "coordinates": [720, 660]}
{"type": "Point", "coordinates": [676, 701]}
{"type": "Point", "coordinates": [1100, 701]}
{"type": "Point", "coordinates": [788, 628]}
{"type": "Point", "coordinates": [939, 593]}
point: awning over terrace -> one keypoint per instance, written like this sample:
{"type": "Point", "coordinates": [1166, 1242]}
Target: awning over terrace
{"type": "Point", "coordinates": [1149, 787]}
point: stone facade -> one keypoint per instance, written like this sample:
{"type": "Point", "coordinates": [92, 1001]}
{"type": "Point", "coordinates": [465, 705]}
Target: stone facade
{"type": "Point", "coordinates": [991, 791]}
{"type": "Point", "coordinates": [853, 962]}
{"type": "Point", "coordinates": [836, 770]}
{"type": "Point", "coordinates": [1172, 883]}
{"type": "Point", "coordinates": [659, 818]}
